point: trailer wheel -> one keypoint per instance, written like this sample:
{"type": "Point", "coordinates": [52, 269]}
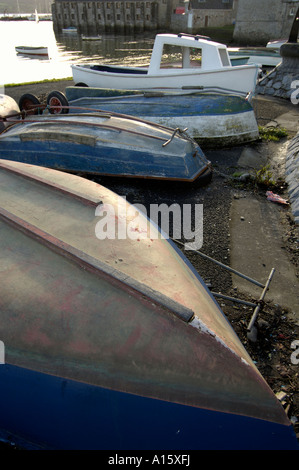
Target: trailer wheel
{"type": "Point", "coordinates": [57, 103]}
{"type": "Point", "coordinates": [30, 104]}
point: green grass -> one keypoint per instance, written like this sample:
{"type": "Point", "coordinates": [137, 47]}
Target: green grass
{"type": "Point", "coordinates": [272, 133]}
{"type": "Point", "coordinates": [36, 83]}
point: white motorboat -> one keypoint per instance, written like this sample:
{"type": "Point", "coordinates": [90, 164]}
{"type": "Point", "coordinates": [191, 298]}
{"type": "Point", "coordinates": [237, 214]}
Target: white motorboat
{"type": "Point", "coordinates": [194, 61]}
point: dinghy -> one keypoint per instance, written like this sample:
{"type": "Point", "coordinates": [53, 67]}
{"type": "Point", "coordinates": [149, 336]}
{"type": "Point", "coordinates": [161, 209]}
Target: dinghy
{"type": "Point", "coordinates": [213, 117]}
{"type": "Point", "coordinates": [114, 342]}
{"type": "Point", "coordinates": [103, 144]}
{"type": "Point", "coordinates": [32, 50]}
{"type": "Point", "coordinates": [262, 56]}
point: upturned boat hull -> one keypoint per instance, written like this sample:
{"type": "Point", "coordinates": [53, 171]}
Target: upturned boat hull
{"type": "Point", "coordinates": [114, 342]}
{"type": "Point", "coordinates": [213, 118]}
{"type": "Point", "coordinates": [104, 144]}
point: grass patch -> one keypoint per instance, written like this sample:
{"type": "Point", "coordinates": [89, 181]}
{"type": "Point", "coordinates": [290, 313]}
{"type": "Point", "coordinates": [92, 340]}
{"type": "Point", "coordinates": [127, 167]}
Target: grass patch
{"type": "Point", "coordinates": [53, 80]}
{"type": "Point", "coordinates": [274, 134]}
{"type": "Point", "coordinates": [264, 177]}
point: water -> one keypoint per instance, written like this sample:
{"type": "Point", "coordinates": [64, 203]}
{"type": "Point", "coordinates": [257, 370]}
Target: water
{"type": "Point", "coordinates": [64, 50]}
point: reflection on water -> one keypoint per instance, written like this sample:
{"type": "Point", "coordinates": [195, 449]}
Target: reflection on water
{"type": "Point", "coordinates": [64, 50]}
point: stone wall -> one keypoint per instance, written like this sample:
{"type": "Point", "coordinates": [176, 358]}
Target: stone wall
{"type": "Point", "coordinates": [259, 21]}
{"type": "Point", "coordinates": [215, 18]}
{"type": "Point", "coordinates": [281, 80]}
{"type": "Point", "coordinates": [94, 17]}
{"type": "Point", "coordinates": [194, 20]}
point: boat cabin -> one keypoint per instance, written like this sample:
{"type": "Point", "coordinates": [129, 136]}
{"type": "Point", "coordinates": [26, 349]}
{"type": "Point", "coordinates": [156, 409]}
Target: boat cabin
{"type": "Point", "coordinates": [187, 51]}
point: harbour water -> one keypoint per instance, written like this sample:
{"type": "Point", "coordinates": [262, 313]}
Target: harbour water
{"type": "Point", "coordinates": [64, 50]}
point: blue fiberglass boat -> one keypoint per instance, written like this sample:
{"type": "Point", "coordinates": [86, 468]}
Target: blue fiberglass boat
{"type": "Point", "coordinates": [114, 342]}
{"type": "Point", "coordinates": [212, 116]}
{"type": "Point", "coordinates": [101, 144]}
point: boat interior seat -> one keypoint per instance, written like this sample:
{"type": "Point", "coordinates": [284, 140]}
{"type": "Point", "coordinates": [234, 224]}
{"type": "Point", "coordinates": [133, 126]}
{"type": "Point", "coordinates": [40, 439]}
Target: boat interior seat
{"type": "Point", "coordinates": [112, 69]}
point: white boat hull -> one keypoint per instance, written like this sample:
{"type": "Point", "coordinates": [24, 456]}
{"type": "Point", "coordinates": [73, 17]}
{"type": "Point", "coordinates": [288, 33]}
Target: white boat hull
{"type": "Point", "coordinates": [239, 78]}
{"type": "Point", "coordinates": [32, 50]}
{"type": "Point", "coordinates": [224, 130]}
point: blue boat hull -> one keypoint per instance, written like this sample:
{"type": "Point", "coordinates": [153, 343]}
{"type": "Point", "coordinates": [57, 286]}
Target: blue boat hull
{"type": "Point", "coordinates": [105, 145]}
{"type": "Point", "coordinates": [114, 342]}
{"type": "Point", "coordinates": [66, 415]}
{"type": "Point", "coordinates": [211, 117]}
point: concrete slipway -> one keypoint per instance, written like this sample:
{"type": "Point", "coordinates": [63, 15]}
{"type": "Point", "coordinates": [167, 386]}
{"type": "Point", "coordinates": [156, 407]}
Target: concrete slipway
{"type": "Point", "coordinates": [258, 226]}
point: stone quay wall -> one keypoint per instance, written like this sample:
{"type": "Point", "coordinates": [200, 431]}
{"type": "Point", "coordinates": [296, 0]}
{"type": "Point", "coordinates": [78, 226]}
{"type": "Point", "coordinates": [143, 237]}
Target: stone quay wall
{"type": "Point", "coordinates": [282, 80]}
{"type": "Point", "coordinates": [259, 21]}
{"type": "Point", "coordinates": [93, 17]}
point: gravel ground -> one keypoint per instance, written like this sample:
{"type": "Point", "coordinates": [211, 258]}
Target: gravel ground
{"type": "Point", "coordinates": [276, 330]}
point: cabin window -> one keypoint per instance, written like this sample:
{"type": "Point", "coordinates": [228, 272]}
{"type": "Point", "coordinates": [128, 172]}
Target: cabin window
{"type": "Point", "coordinates": [224, 57]}
{"type": "Point", "coordinates": [180, 57]}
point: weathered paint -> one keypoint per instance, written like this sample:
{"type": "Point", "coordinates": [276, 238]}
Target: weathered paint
{"type": "Point", "coordinates": [211, 117]}
{"type": "Point", "coordinates": [104, 145]}
{"type": "Point", "coordinates": [94, 346]}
